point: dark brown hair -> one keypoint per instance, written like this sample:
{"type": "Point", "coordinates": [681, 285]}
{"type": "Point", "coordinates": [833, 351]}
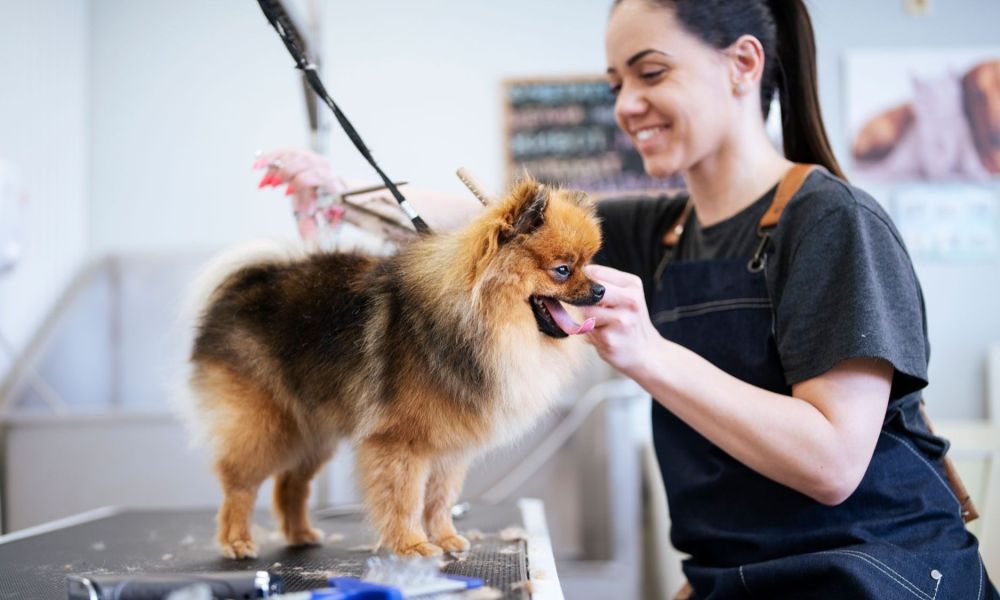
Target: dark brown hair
{"type": "Point", "coordinates": [785, 31]}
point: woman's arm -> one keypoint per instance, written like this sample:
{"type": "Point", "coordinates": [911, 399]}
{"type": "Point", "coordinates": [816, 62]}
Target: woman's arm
{"type": "Point", "coordinates": [818, 441]}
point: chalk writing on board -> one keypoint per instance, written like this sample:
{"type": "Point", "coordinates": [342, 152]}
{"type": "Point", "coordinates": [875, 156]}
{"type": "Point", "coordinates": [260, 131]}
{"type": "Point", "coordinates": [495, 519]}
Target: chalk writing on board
{"type": "Point", "coordinates": [563, 132]}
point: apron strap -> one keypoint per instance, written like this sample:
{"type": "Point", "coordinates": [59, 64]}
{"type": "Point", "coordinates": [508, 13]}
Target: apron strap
{"type": "Point", "coordinates": [789, 185]}
{"type": "Point", "coordinates": [787, 188]}
{"type": "Point", "coordinates": [670, 240]}
{"type": "Point", "coordinates": [673, 234]}
{"type": "Point", "coordinates": [969, 512]}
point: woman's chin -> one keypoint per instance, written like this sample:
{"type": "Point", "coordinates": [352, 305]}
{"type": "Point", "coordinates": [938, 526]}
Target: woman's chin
{"type": "Point", "coordinates": [659, 166]}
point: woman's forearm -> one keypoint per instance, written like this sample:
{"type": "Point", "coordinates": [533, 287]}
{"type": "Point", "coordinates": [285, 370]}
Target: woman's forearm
{"type": "Point", "coordinates": [784, 438]}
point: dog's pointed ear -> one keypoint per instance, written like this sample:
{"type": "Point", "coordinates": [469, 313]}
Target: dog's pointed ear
{"type": "Point", "coordinates": [532, 214]}
{"type": "Point", "coordinates": [526, 211]}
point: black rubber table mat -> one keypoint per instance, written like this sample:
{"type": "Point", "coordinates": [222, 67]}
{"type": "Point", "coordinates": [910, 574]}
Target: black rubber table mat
{"type": "Point", "coordinates": [174, 541]}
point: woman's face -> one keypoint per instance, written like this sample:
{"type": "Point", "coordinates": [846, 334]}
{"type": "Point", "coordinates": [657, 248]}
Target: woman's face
{"type": "Point", "coordinates": [674, 92]}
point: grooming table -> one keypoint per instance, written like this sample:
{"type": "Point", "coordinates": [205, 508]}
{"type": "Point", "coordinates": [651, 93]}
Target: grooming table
{"type": "Point", "coordinates": [111, 541]}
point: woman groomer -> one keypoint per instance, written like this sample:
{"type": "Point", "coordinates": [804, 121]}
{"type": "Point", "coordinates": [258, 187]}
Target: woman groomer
{"type": "Point", "coordinates": [775, 316]}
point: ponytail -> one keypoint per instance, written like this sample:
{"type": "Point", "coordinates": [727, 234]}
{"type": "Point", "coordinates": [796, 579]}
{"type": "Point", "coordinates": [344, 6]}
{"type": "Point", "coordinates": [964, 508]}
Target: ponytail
{"type": "Point", "coordinates": [802, 129]}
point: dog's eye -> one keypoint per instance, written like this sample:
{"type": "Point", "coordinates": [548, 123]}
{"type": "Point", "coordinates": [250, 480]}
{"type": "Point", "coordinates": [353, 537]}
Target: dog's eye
{"type": "Point", "coordinates": [562, 272]}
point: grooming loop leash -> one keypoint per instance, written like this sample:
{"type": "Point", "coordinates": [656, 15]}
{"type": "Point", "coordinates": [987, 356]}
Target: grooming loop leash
{"type": "Point", "coordinates": [283, 24]}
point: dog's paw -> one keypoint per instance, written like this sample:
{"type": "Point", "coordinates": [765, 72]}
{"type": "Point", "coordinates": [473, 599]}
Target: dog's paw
{"type": "Point", "coordinates": [239, 549]}
{"type": "Point", "coordinates": [304, 537]}
{"type": "Point", "coordinates": [421, 549]}
{"type": "Point", "coordinates": [455, 543]}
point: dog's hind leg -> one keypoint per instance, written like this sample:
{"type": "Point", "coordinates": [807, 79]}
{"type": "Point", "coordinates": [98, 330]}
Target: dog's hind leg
{"type": "Point", "coordinates": [291, 496]}
{"type": "Point", "coordinates": [443, 488]}
{"type": "Point", "coordinates": [253, 439]}
{"type": "Point", "coordinates": [394, 478]}
{"type": "Point", "coordinates": [234, 515]}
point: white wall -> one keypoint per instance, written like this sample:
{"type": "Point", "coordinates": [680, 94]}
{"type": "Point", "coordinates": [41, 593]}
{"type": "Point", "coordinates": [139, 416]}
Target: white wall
{"type": "Point", "coordinates": [43, 133]}
{"type": "Point", "coordinates": [422, 81]}
{"type": "Point", "coordinates": [183, 93]}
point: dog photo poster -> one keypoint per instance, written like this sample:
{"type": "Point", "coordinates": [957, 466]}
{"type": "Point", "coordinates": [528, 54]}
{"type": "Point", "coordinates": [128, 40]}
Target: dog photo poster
{"type": "Point", "coordinates": [924, 115]}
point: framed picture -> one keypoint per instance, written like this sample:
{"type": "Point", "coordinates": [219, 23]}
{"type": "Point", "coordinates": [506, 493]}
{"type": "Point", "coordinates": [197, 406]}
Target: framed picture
{"type": "Point", "coordinates": [924, 115]}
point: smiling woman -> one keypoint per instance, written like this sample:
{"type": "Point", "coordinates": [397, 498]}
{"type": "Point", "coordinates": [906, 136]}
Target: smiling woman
{"type": "Point", "coordinates": [785, 376]}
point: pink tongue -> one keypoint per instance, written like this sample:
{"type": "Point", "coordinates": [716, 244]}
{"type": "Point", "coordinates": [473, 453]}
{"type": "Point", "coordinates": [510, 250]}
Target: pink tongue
{"type": "Point", "coordinates": [564, 321]}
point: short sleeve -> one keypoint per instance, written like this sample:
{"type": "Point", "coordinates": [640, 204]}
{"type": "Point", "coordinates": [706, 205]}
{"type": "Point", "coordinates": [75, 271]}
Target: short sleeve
{"type": "Point", "coordinates": [843, 287]}
{"type": "Point", "coordinates": [631, 228]}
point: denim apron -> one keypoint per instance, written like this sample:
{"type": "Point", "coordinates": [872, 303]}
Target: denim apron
{"type": "Point", "coordinates": [899, 536]}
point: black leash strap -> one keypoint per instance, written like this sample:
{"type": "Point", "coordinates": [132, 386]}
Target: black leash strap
{"type": "Point", "coordinates": [295, 43]}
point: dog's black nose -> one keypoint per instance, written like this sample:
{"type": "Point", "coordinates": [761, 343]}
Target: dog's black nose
{"type": "Point", "coordinates": [597, 291]}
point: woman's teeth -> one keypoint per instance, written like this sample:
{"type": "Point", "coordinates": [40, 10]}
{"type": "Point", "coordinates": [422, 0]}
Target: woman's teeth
{"type": "Point", "coordinates": [644, 134]}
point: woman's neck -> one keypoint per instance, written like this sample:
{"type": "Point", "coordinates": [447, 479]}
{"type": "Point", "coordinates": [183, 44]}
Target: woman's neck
{"type": "Point", "coordinates": [743, 170]}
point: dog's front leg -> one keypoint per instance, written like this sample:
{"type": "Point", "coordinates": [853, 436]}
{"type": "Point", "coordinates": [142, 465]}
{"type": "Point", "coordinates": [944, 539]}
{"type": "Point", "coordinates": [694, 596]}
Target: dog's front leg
{"type": "Point", "coordinates": [394, 478]}
{"type": "Point", "coordinates": [443, 488]}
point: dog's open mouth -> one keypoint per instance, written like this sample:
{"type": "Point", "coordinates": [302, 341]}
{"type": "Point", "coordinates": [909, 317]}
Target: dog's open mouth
{"type": "Point", "coordinates": [553, 320]}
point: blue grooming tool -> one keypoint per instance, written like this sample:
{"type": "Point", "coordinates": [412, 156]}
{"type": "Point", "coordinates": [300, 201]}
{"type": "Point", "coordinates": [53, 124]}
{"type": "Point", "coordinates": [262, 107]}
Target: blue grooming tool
{"type": "Point", "coordinates": [390, 578]}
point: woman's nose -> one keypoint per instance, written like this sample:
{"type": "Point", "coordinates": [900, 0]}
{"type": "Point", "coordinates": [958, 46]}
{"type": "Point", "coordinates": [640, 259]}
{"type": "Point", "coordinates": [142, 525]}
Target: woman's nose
{"type": "Point", "coordinates": [630, 102]}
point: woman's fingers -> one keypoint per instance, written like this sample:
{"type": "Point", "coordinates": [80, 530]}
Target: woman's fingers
{"type": "Point", "coordinates": [612, 276]}
{"type": "Point", "coordinates": [618, 297]}
{"type": "Point", "coordinates": [602, 315]}
{"type": "Point", "coordinates": [621, 289]}
{"type": "Point", "coordinates": [609, 275]}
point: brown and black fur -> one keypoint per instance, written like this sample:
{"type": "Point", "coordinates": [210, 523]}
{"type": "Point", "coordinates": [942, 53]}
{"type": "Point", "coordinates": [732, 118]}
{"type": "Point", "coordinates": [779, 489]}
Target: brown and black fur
{"type": "Point", "coordinates": [420, 359]}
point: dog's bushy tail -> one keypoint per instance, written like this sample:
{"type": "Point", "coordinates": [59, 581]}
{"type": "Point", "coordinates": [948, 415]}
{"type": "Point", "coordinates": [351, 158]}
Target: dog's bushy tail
{"type": "Point", "coordinates": [200, 293]}
{"type": "Point", "coordinates": [214, 272]}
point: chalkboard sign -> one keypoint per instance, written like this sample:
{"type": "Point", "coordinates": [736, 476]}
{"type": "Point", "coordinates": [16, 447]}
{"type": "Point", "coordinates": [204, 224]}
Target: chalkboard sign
{"type": "Point", "coordinates": [563, 132]}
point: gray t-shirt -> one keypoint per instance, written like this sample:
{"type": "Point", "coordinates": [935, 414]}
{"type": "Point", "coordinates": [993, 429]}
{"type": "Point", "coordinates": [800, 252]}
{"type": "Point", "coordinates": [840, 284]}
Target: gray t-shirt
{"type": "Point", "coordinates": [838, 275]}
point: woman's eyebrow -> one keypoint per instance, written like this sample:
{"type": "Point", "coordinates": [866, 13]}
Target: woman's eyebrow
{"type": "Point", "coordinates": [638, 55]}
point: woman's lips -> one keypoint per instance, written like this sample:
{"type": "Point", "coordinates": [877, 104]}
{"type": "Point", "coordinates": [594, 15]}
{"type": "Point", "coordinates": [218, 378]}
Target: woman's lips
{"type": "Point", "coordinates": [647, 137]}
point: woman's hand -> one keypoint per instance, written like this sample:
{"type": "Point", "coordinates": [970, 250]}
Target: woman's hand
{"type": "Point", "coordinates": [303, 170]}
{"type": "Point", "coordinates": [305, 173]}
{"type": "Point", "coordinates": [623, 334]}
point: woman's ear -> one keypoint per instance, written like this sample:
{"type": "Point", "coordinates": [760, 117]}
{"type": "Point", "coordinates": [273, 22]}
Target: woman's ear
{"type": "Point", "coordinates": [746, 63]}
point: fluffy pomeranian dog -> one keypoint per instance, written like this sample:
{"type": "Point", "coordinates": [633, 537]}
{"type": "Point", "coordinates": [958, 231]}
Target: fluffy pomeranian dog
{"type": "Point", "coordinates": [456, 343]}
